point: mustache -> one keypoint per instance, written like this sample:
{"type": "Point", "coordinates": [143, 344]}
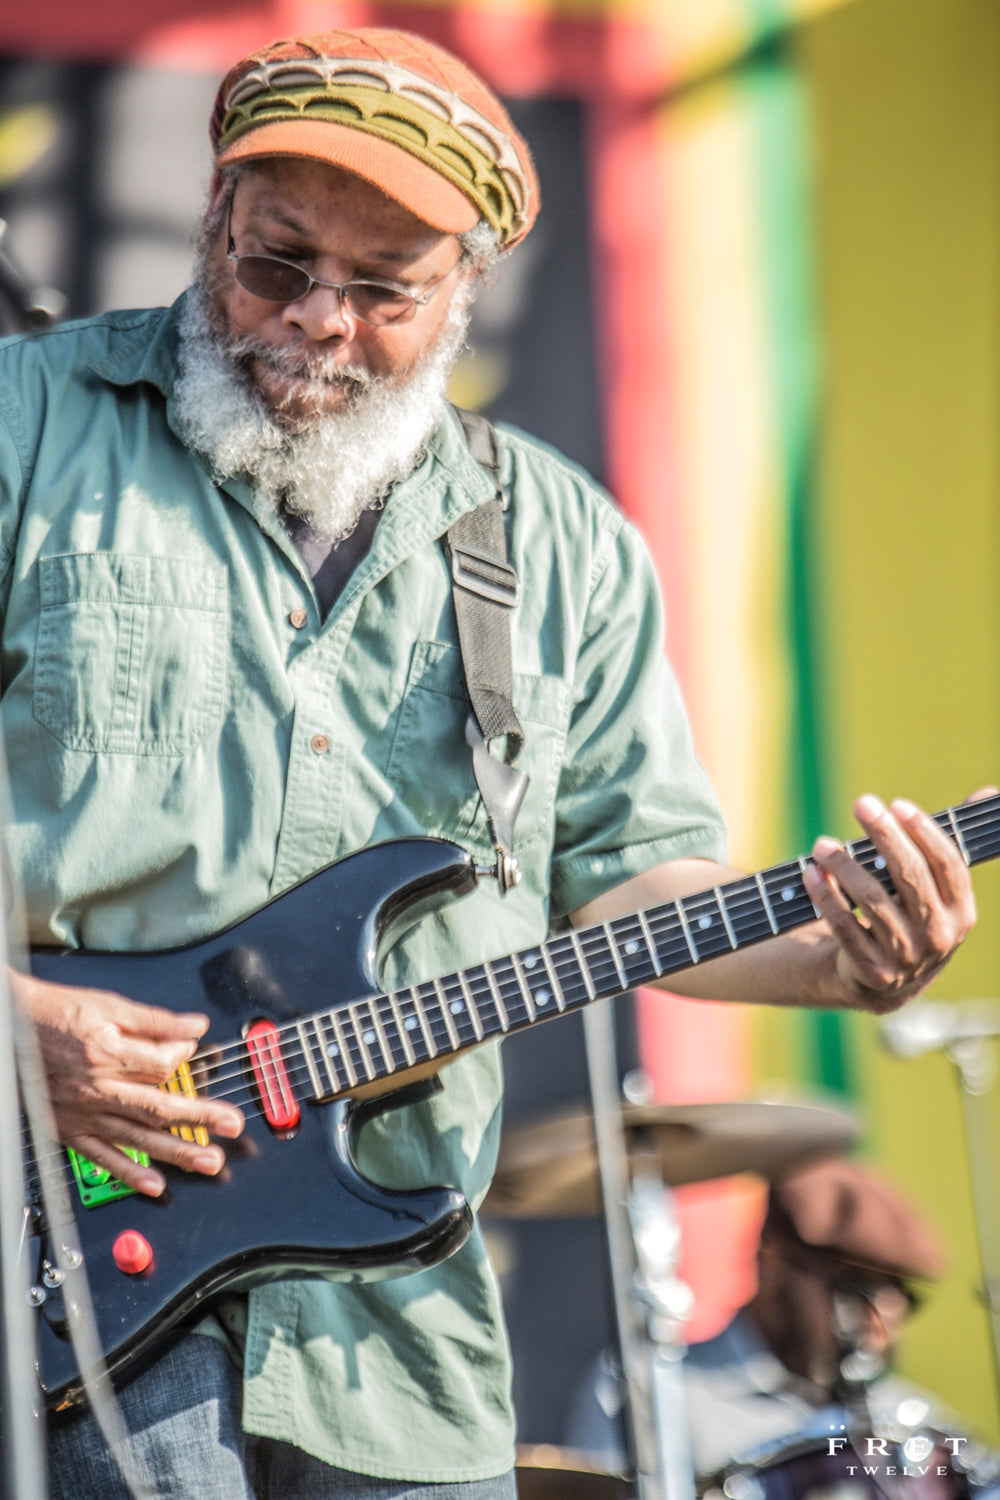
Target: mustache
{"type": "Point", "coordinates": [313, 366]}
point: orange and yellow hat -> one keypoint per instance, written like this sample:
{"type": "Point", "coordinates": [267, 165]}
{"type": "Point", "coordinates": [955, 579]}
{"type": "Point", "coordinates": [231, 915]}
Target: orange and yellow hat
{"type": "Point", "coordinates": [393, 108]}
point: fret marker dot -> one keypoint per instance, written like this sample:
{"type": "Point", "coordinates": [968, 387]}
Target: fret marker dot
{"type": "Point", "coordinates": [411, 1023]}
{"type": "Point", "coordinates": [333, 1050]}
{"type": "Point", "coordinates": [632, 947]}
{"type": "Point", "coordinates": [457, 1007]}
{"type": "Point", "coordinates": [880, 863]}
{"type": "Point", "coordinates": [542, 997]}
{"type": "Point", "coordinates": [529, 960]}
{"type": "Point", "coordinates": [787, 893]}
{"type": "Point", "coordinates": [369, 1038]}
{"type": "Point", "coordinates": [704, 922]}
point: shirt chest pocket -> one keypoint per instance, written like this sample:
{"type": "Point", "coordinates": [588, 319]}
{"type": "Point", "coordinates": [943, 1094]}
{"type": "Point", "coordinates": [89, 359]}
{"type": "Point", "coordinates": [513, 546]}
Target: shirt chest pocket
{"type": "Point", "coordinates": [430, 764]}
{"type": "Point", "coordinates": [131, 652]}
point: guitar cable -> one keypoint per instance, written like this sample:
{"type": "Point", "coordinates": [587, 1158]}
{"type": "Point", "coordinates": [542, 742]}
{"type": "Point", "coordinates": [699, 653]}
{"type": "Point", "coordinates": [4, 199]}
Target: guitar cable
{"type": "Point", "coordinates": [23, 1420]}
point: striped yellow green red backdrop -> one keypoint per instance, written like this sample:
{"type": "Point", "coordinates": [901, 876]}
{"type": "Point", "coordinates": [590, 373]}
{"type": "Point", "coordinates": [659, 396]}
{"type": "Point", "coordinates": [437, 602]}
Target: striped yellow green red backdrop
{"type": "Point", "coordinates": [795, 242]}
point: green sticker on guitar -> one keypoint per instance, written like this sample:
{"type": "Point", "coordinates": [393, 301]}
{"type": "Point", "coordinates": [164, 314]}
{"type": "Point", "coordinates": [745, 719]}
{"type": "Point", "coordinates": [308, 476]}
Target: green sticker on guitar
{"type": "Point", "coordinates": [96, 1184]}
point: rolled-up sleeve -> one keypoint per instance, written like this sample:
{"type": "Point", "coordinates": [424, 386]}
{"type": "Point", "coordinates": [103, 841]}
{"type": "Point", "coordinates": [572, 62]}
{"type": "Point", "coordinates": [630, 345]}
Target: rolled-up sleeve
{"type": "Point", "coordinates": [632, 792]}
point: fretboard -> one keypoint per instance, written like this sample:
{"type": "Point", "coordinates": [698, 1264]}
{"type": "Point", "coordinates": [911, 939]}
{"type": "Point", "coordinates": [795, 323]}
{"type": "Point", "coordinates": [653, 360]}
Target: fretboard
{"type": "Point", "coordinates": [380, 1035]}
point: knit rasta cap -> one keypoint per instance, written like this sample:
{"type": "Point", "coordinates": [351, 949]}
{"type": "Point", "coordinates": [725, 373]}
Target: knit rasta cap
{"type": "Point", "coordinates": [392, 108]}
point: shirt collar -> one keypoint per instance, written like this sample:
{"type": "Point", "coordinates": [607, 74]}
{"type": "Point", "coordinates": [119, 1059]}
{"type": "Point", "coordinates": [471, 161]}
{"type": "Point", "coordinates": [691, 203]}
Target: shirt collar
{"type": "Point", "coordinates": [144, 351]}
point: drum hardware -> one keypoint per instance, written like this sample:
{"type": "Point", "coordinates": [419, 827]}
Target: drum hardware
{"type": "Point", "coordinates": [650, 1302]}
{"type": "Point", "coordinates": [548, 1168]}
{"type": "Point", "coordinates": [620, 1161]}
{"type": "Point", "coordinates": [545, 1472]}
{"type": "Point", "coordinates": [913, 1466]}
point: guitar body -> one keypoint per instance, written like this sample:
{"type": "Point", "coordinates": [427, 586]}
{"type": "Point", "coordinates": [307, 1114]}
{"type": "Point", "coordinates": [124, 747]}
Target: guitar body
{"type": "Point", "coordinates": [287, 1204]}
{"type": "Point", "coordinates": [291, 1202]}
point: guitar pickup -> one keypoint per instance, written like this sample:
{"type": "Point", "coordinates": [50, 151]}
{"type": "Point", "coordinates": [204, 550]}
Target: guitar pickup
{"type": "Point", "coordinates": [281, 1108]}
{"type": "Point", "coordinates": [182, 1082]}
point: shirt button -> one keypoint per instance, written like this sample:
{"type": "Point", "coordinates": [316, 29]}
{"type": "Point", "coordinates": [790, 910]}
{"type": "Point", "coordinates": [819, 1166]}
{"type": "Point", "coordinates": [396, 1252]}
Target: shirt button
{"type": "Point", "coordinates": [298, 618]}
{"type": "Point", "coordinates": [319, 744]}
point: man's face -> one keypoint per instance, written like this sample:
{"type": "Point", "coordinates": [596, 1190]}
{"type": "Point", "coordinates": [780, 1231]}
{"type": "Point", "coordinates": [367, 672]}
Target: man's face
{"type": "Point", "coordinates": [339, 228]}
{"type": "Point", "coordinates": [811, 1308]}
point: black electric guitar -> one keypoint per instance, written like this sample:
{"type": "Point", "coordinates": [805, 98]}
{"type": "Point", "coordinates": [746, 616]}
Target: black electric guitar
{"type": "Point", "coordinates": [314, 1046]}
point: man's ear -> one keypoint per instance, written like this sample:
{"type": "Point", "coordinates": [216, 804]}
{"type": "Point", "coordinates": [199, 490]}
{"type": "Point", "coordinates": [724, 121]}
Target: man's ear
{"type": "Point", "coordinates": [216, 189]}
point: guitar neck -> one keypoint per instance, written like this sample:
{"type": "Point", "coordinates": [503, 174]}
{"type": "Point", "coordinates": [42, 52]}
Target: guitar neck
{"type": "Point", "coordinates": [376, 1037]}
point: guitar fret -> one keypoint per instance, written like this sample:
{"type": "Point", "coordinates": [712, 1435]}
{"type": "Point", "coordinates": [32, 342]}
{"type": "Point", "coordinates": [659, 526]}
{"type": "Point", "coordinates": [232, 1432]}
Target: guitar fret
{"type": "Point", "coordinates": [362, 1036]}
{"type": "Point", "coordinates": [523, 983]}
{"type": "Point", "coordinates": [344, 1036]}
{"type": "Point", "coordinates": [421, 1016]}
{"type": "Point", "coordinates": [584, 969]}
{"type": "Point", "coordinates": [391, 1031]}
{"type": "Point", "coordinates": [743, 906]}
{"type": "Point", "coordinates": [526, 996]}
{"type": "Point", "coordinates": [633, 956]}
{"type": "Point", "coordinates": [721, 900]}
{"type": "Point", "coordinates": [498, 1004]}
{"type": "Point", "coordinates": [786, 881]}
{"type": "Point", "coordinates": [445, 1012]}
{"type": "Point", "coordinates": [671, 940]}
{"type": "Point", "coordinates": [384, 1047]}
{"type": "Point", "coordinates": [959, 837]}
{"type": "Point", "coordinates": [409, 1055]}
{"type": "Point", "coordinates": [314, 1078]}
{"type": "Point", "coordinates": [679, 907]}
{"type": "Point", "coordinates": [654, 954]}
{"type": "Point", "coordinates": [803, 862]}
{"type": "Point", "coordinates": [558, 993]}
{"type": "Point", "coordinates": [471, 1007]}
{"type": "Point", "coordinates": [338, 1048]}
{"type": "Point", "coordinates": [406, 1004]}
{"type": "Point", "coordinates": [453, 1000]}
{"type": "Point", "coordinates": [602, 966]}
{"type": "Point", "coordinates": [567, 971]}
{"type": "Point", "coordinates": [769, 909]}
{"type": "Point", "coordinates": [705, 921]}
{"type": "Point", "coordinates": [613, 950]}
{"type": "Point", "coordinates": [428, 992]}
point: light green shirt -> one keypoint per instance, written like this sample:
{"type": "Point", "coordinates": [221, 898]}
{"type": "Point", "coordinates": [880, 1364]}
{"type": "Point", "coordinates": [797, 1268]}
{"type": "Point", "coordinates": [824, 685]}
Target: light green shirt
{"type": "Point", "coordinates": [165, 724]}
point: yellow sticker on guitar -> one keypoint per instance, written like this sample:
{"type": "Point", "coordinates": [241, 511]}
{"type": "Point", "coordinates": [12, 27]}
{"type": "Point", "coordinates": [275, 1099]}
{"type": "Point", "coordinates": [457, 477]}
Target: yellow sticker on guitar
{"type": "Point", "coordinates": [182, 1082]}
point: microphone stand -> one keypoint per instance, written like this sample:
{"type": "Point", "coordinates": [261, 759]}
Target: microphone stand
{"type": "Point", "coordinates": [975, 1063]}
{"type": "Point", "coordinates": [967, 1034]}
{"type": "Point", "coordinates": [650, 1301]}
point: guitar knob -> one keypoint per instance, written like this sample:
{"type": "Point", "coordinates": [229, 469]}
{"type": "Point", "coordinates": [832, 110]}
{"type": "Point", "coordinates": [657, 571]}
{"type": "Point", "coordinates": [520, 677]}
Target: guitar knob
{"type": "Point", "coordinates": [132, 1253]}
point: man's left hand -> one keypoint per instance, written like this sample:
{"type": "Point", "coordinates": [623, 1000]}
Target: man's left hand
{"type": "Point", "coordinates": [891, 946]}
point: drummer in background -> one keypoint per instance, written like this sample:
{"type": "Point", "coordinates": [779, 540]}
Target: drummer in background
{"type": "Point", "coordinates": [839, 1253]}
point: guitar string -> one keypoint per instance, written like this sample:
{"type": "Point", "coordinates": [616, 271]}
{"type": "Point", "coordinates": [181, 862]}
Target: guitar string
{"type": "Point", "coordinates": [214, 1057]}
{"type": "Point", "coordinates": [743, 896]}
{"type": "Point", "coordinates": [972, 817]}
{"type": "Point", "coordinates": [205, 1066]}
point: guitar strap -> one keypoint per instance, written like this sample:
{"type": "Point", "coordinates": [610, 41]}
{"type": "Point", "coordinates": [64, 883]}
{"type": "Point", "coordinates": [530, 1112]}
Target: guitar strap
{"type": "Point", "coordinates": [485, 588]}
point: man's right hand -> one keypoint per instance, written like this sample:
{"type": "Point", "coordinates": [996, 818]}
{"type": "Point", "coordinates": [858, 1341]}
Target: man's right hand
{"type": "Point", "coordinates": [105, 1058]}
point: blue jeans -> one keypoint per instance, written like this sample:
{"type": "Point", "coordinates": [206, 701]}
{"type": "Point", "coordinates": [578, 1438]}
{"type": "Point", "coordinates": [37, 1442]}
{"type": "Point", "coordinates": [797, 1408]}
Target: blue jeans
{"type": "Point", "coordinates": [196, 1450]}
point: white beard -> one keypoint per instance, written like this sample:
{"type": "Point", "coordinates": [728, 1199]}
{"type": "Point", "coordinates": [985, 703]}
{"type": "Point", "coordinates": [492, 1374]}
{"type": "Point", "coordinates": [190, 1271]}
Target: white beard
{"type": "Point", "coordinates": [332, 466]}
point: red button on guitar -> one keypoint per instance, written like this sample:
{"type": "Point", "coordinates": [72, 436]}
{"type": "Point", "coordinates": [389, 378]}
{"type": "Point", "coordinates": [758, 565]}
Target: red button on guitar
{"type": "Point", "coordinates": [132, 1252]}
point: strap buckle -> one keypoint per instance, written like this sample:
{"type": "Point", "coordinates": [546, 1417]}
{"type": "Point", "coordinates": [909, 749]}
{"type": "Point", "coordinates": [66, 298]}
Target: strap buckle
{"type": "Point", "coordinates": [483, 574]}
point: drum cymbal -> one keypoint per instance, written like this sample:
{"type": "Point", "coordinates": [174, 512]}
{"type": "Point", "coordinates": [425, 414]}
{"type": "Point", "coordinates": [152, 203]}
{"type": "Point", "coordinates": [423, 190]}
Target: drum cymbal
{"type": "Point", "coordinates": [548, 1168]}
{"type": "Point", "coordinates": [548, 1473]}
